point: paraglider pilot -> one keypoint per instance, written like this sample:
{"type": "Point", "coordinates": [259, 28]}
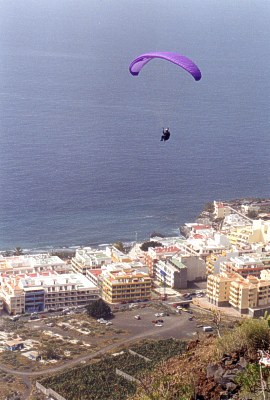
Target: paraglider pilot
{"type": "Point", "coordinates": [165, 135]}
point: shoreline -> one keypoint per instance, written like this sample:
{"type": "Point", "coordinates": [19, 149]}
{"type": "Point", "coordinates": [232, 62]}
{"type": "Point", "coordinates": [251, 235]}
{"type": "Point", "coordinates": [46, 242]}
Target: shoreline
{"type": "Point", "coordinates": [235, 203]}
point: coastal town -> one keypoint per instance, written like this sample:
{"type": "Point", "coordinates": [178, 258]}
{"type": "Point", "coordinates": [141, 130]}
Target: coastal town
{"type": "Point", "coordinates": [230, 251]}
{"type": "Point", "coordinates": [164, 287]}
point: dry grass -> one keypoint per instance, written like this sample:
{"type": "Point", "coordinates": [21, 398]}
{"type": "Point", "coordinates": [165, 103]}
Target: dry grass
{"type": "Point", "coordinates": [176, 377]}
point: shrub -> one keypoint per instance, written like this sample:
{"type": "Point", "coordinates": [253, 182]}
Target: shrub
{"type": "Point", "coordinates": [249, 337]}
{"type": "Point", "coordinates": [99, 309]}
{"type": "Point", "coordinates": [145, 246]}
{"type": "Point", "coordinates": [249, 379]}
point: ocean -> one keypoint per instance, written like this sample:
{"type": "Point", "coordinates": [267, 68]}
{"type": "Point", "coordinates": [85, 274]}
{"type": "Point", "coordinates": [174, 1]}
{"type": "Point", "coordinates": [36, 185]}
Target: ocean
{"type": "Point", "coordinates": [81, 162]}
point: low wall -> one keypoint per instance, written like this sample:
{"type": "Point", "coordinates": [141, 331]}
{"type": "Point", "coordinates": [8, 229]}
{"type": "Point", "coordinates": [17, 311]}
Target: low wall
{"type": "Point", "coordinates": [49, 392]}
{"type": "Point", "coordinates": [126, 376]}
{"type": "Point", "coordinates": [139, 355]}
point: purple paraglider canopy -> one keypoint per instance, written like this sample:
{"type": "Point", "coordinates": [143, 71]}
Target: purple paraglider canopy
{"type": "Point", "coordinates": [182, 61]}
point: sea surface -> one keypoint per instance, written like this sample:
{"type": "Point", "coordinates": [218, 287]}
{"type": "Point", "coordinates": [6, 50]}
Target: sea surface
{"type": "Point", "coordinates": [81, 160]}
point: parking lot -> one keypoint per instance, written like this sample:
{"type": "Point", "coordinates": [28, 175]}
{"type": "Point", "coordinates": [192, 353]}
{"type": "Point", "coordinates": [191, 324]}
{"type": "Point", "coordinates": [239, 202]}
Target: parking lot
{"type": "Point", "coordinates": [175, 325]}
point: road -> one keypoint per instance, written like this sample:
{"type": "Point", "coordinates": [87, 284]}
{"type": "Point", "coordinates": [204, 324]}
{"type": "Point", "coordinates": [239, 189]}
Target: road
{"type": "Point", "coordinates": [76, 361]}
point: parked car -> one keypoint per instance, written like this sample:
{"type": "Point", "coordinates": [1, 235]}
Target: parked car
{"type": "Point", "coordinates": [159, 324]}
{"type": "Point", "coordinates": [207, 329]}
{"type": "Point", "coordinates": [32, 317]}
{"type": "Point", "coordinates": [15, 318]}
{"type": "Point", "coordinates": [137, 317]}
{"type": "Point", "coordinates": [133, 305]}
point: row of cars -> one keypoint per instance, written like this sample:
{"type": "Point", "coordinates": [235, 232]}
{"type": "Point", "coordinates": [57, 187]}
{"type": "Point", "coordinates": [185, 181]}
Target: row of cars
{"type": "Point", "coordinates": [45, 314]}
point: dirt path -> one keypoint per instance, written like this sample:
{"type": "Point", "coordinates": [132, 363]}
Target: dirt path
{"type": "Point", "coordinates": [76, 361]}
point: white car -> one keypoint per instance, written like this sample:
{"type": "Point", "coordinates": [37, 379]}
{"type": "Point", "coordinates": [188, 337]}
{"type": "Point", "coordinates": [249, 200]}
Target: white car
{"type": "Point", "coordinates": [158, 324]}
{"type": "Point", "coordinates": [157, 315]}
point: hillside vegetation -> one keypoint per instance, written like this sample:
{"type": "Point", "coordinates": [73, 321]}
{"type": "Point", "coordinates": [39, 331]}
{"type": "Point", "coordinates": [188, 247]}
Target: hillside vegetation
{"type": "Point", "coordinates": [207, 368]}
{"type": "Point", "coordinates": [214, 368]}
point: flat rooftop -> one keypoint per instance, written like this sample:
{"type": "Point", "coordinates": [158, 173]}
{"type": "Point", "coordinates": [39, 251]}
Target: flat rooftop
{"type": "Point", "coordinates": [39, 281]}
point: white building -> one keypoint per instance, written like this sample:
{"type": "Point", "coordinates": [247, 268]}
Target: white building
{"type": "Point", "coordinates": [173, 275]}
{"type": "Point", "coordinates": [88, 258]}
{"type": "Point", "coordinates": [44, 291]}
{"type": "Point", "coordinates": [28, 264]}
{"type": "Point", "coordinates": [204, 247]}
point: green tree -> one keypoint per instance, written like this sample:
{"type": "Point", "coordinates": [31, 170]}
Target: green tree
{"type": "Point", "coordinates": [49, 352]}
{"type": "Point", "coordinates": [252, 214]}
{"type": "Point", "coordinates": [145, 246]}
{"type": "Point", "coordinates": [119, 246]}
{"type": "Point", "coordinates": [209, 207]}
{"type": "Point", "coordinates": [99, 309]}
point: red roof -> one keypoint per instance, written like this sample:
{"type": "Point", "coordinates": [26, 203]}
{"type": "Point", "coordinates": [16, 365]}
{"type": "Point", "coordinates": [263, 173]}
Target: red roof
{"type": "Point", "coordinates": [197, 227]}
{"type": "Point", "coordinates": [95, 272]}
{"type": "Point", "coordinates": [168, 249]}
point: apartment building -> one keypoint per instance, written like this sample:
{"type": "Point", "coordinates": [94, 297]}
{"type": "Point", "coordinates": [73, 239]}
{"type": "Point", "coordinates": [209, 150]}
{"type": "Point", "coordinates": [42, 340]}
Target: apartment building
{"type": "Point", "coordinates": [214, 260]}
{"type": "Point", "coordinates": [249, 264]}
{"type": "Point", "coordinates": [243, 294]}
{"type": "Point", "coordinates": [44, 291]}
{"type": "Point", "coordinates": [250, 295]}
{"type": "Point", "coordinates": [124, 285]}
{"type": "Point", "coordinates": [196, 267]}
{"type": "Point", "coordinates": [117, 255]}
{"type": "Point", "coordinates": [218, 288]}
{"type": "Point", "coordinates": [258, 232]}
{"type": "Point", "coordinates": [28, 264]}
{"type": "Point", "coordinates": [88, 258]}
{"type": "Point", "coordinates": [171, 273]}
{"type": "Point", "coordinates": [199, 230]}
{"type": "Point", "coordinates": [204, 247]}
{"type": "Point", "coordinates": [180, 269]}
{"type": "Point", "coordinates": [221, 210]}
{"type": "Point", "coordinates": [154, 254]}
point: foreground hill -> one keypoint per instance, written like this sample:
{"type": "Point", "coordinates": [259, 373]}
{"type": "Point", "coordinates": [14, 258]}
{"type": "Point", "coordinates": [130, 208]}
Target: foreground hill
{"type": "Point", "coordinates": [214, 368]}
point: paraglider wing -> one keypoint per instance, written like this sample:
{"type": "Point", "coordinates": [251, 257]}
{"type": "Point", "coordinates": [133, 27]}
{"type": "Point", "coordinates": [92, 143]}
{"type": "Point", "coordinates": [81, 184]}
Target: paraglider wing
{"type": "Point", "coordinates": [178, 59]}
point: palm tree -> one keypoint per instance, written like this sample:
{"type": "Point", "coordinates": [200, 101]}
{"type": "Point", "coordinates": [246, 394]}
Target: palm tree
{"type": "Point", "coordinates": [18, 251]}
